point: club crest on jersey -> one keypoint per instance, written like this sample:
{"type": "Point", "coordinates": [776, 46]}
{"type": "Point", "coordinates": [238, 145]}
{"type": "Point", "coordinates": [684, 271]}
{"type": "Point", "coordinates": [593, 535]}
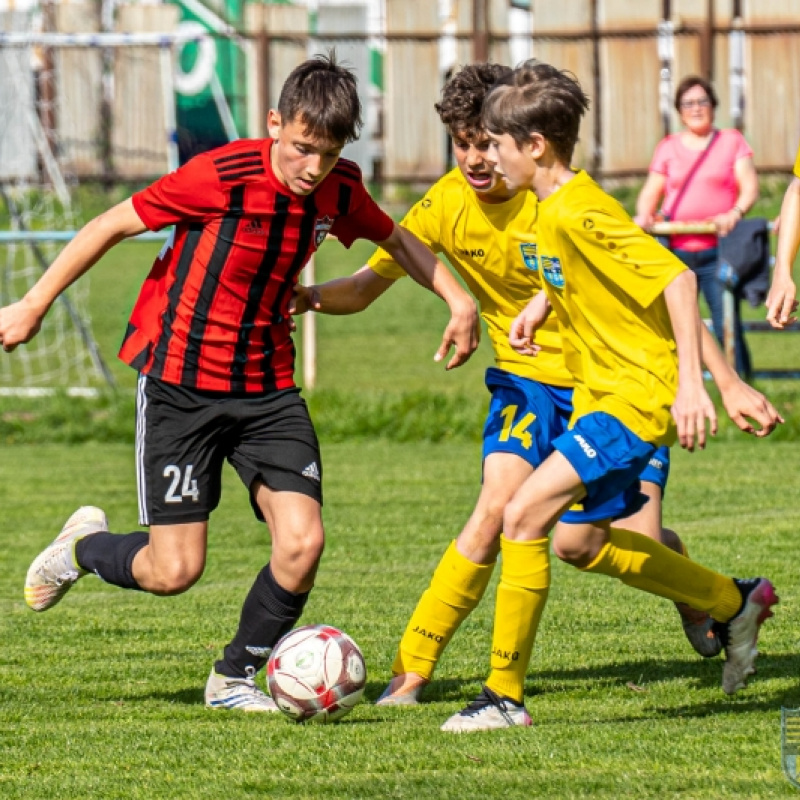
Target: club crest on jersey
{"type": "Point", "coordinates": [321, 229]}
{"type": "Point", "coordinates": [551, 269]}
{"type": "Point", "coordinates": [528, 250]}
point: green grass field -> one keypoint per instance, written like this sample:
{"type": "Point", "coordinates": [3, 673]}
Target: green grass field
{"type": "Point", "coordinates": [102, 696]}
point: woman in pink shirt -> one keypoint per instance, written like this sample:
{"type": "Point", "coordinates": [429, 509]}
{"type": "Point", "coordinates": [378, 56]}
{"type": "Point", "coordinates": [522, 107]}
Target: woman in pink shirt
{"type": "Point", "coordinates": [703, 174]}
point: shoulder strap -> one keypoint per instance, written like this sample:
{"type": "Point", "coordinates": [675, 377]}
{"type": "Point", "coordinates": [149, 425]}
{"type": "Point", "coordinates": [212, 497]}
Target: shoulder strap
{"type": "Point", "coordinates": [692, 172]}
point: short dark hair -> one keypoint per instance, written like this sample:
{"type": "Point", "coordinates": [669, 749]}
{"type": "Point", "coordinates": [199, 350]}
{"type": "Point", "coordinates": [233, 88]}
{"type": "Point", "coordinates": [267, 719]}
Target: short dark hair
{"type": "Point", "coordinates": [463, 95]}
{"type": "Point", "coordinates": [537, 98]}
{"type": "Point", "coordinates": [322, 93]}
{"type": "Point", "coordinates": [689, 82]}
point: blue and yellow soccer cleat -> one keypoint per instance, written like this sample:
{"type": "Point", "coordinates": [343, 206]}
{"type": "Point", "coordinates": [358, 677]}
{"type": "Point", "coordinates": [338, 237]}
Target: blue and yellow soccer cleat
{"type": "Point", "coordinates": [54, 571]}
{"type": "Point", "coordinates": [240, 694]}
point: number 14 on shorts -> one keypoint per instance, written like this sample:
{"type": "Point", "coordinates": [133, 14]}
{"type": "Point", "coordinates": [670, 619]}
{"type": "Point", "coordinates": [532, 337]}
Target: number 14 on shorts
{"type": "Point", "coordinates": [518, 430]}
{"type": "Point", "coordinates": [182, 479]}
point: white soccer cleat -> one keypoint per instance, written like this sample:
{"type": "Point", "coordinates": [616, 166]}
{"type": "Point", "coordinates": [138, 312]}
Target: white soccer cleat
{"type": "Point", "coordinates": [740, 635]}
{"type": "Point", "coordinates": [488, 712]}
{"type": "Point", "coordinates": [54, 571]}
{"type": "Point", "coordinates": [240, 694]}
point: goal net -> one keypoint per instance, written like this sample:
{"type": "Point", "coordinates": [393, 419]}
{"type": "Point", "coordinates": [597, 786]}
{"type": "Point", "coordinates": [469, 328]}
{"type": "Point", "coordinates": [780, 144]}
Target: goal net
{"type": "Point", "coordinates": [69, 113]}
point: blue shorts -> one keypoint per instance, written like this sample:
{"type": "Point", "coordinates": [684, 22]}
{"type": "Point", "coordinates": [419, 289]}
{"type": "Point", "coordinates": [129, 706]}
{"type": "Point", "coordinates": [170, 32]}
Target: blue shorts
{"type": "Point", "coordinates": [527, 417]}
{"type": "Point", "coordinates": [609, 458]}
{"type": "Point", "coordinates": [657, 469]}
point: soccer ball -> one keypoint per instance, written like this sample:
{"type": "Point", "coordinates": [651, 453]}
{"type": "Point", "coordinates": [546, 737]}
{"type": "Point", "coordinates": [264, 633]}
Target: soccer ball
{"type": "Point", "coordinates": [316, 674]}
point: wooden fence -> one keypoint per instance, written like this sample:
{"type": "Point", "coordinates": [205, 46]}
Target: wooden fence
{"type": "Point", "coordinates": [626, 53]}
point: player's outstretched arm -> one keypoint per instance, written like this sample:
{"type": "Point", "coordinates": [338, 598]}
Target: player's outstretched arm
{"type": "Point", "coordinates": [463, 330]}
{"type": "Point", "coordinates": [523, 329]}
{"type": "Point", "coordinates": [347, 295]}
{"type": "Point", "coordinates": [781, 301]}
{"type": "Point", "coordinates": [742, 402]}
{"type": "Point", "coordinates": [20, 321]}
{"type": "Point", "coordinates": [693, 406]}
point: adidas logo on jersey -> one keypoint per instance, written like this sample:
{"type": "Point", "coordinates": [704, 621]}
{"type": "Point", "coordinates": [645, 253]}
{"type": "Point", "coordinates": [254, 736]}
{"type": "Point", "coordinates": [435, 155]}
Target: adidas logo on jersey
{"type": "Point", "coordinates": [311, 471]}
{"type": "Point", "coordinates": [254, 227]}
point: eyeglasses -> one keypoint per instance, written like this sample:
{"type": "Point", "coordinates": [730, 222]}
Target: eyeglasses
{"type": "Point", "coordinates": [703, 102]}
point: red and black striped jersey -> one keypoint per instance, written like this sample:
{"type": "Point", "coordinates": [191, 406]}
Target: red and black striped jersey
{"type": "Point", "coordinates": [213, 312]}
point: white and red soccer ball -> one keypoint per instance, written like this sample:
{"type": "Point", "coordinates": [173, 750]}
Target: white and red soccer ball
{"type": "Point", "coordinates": [316, 674]}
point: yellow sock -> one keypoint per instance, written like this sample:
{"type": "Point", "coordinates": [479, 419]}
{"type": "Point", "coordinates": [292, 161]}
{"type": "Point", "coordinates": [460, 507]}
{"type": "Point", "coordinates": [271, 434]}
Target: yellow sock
{"type": "Point", "coordinates": [521, 597]}
{"type": "Point", "coordinates": [456, 588]}
{"type": "Point", "coordinates": [648, 565]}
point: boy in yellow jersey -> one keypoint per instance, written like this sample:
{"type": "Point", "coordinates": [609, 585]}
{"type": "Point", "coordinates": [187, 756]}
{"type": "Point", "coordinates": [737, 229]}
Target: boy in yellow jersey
{"type": "Point", "coordinates": [487, 233]}
{"type": "Point", "coordinates": [624, 307]}
{"type": "Point", "coordinates": [782, 299]}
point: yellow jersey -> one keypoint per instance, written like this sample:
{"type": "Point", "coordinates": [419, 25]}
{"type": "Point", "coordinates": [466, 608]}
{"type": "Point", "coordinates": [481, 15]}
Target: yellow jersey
{"type": "Point", "coordinates": [796, 169]}
{"type": "Point", "coordinates": [605, 278]}
{"type": "Point", "coordinates": [493, 247]}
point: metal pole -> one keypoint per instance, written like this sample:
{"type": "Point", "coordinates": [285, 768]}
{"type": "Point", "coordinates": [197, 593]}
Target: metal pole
{"type": "Point", "coordinates": [736, 66]}
{"type": "Point", "coordinates": [597, 100]}
{"type": "Point", "coordinates": [666, 56]}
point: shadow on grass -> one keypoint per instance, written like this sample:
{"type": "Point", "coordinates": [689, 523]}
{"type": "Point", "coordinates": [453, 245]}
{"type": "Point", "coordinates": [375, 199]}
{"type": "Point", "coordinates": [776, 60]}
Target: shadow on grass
{"type": "Point", "coordinates": [639, 674]}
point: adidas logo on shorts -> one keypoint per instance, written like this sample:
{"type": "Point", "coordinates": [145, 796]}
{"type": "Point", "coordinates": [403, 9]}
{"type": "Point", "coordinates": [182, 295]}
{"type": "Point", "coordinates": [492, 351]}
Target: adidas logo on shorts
{"type": "Point", "coordinates": [311, 471]}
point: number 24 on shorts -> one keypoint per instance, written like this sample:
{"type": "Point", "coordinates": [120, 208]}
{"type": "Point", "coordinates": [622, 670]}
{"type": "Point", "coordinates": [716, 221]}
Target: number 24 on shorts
{"type": "Point", "coordinates": [520, 429]}
{"type": "Point", "coordinates": [188, 489]}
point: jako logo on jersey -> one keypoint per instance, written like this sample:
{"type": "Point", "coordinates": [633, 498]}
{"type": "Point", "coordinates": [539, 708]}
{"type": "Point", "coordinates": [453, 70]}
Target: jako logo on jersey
{"type": "Point", "coordinates": [311, 471]}
{"type": "Point", "coordinates": [551, 269]}
{"type": "Point", "coordinates": [254, 227]}
{"type": "Point", "coordinates": [585, 446]}
{"type": "Point", "coordinates": [656, 463]}
{"type": "Point", "coordinates": [321, 228]}
{"type": "Point", "coordinates": [529, 256]}
{"type": "Point", "coordinates": [470, 252]}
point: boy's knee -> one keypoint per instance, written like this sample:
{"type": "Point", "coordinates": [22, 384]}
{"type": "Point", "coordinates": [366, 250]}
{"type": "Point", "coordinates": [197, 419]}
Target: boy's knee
{"type": "Point", "coordinates": [172, 579]}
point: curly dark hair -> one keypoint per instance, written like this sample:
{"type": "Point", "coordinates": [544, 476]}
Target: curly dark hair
{"type": "Point", "coordinates": [323, 94]}
{"type": "Point", "coordinates": [462, 97]}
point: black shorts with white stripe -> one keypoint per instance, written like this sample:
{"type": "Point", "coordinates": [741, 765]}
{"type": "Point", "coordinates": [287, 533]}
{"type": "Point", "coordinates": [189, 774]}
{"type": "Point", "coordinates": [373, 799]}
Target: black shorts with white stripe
{"type": "Point", "coordinates": [183, 437]}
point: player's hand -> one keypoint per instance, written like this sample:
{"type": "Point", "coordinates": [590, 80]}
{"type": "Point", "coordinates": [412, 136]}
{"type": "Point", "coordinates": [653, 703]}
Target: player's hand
{"type": "Point", "coordinates": [781, 301]}
{"type": "Point", "coordinates": [19, 323]}
{"type": "Point", "coordinates": [462, 332]}
{"type": "Point", "coordinates": [523, 329]}
{"type": "Point", "coordinates": [304, 298]}
{"type": "Point", "coordinates": [744, 403]}
{"type": "Point", "coordinates": [691, 411]}
{"type": "Point", "coordinates": [645, 221]}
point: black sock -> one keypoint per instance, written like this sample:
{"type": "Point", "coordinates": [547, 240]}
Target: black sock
{"type": "Point", "coordinates": [110, 556]}
{"type": "Point", "coordinates": [269, 611]}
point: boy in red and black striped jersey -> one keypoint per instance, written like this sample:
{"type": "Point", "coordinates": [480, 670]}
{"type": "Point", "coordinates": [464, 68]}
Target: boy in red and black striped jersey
{"type": "Point", "coordinates": [210, 338]}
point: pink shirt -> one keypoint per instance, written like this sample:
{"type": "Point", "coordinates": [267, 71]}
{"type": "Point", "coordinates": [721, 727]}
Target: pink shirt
{"type": "Point", "coordinates": [713, 188]}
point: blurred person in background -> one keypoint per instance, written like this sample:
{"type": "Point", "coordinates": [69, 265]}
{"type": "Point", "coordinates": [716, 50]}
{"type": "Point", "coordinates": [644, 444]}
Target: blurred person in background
{"type": "Point", "coordinates": [702, 173]}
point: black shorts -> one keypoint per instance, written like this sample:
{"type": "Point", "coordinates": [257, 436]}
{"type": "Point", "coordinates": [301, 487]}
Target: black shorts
{"type": "Point", "coordinates": [183, 436]}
